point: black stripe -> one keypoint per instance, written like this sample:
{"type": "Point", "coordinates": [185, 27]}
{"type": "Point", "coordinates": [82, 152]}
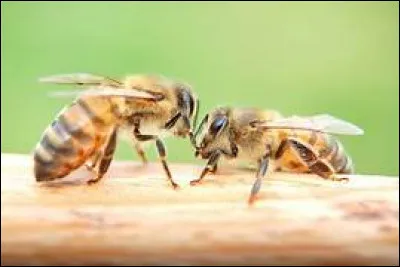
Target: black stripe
{"type": "Point", "coordinates": [64, 124]}
{"type": "Point", "coordinates": [60, 130]}
{"type": "Point", "coordinates": [53, 149]}
{"type": "Point", "coordinates": [91, 115]}
{"type": "Point", "coordinates": [76, 132]}
{"type": "Point", "coordinates": [331, 147]}
{"type": "Point", "coordinates": [281, 149]}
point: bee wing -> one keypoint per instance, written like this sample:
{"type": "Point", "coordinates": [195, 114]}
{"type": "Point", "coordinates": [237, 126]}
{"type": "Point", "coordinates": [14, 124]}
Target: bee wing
{"type": "Point", "coordinates": [320, 123]}
{"type": "Point", "coordinates": [108, 91]}
{"type": "Point", "coordinates": [98, 86]}
{"type": "Point", "coordinates": [80, 79]}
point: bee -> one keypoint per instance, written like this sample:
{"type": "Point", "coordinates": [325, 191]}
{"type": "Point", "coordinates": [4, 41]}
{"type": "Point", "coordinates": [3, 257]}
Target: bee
{"type": "Point", "coordinates": [302, 144]}
{"type": "Point", "coordinates": [147, 107]}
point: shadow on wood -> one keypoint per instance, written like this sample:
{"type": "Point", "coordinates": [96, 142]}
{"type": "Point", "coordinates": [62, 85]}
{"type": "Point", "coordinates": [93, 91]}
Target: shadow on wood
{"type": "Point", "coordinates": [133, 217]}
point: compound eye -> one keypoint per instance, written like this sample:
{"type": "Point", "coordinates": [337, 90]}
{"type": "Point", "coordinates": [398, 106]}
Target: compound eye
{"type": "Point", "coordinates": [185, 99]}
{"type": "Point", "coordinates": [218, 125]}
{"type": "Point", "coordinates": [190, 102]}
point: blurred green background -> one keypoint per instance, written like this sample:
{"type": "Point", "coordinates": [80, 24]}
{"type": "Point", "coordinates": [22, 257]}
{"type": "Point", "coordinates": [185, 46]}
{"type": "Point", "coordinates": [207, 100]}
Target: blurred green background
{"type": "Point", "coordinates": [301, 58]}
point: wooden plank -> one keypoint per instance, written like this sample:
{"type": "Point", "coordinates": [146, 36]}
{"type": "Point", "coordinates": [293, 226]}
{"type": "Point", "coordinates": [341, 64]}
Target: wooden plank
{"type": "Point", "coordinates": [134, 218]}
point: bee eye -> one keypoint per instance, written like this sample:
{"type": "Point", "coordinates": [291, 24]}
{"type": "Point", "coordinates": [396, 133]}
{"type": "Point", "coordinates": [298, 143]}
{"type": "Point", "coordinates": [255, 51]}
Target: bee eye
{"type": "Point", "coordinates": [185, 99]}
{"type": "Point", "coordinates": [190, 101]}
{"type": "Point", "coordinates": [218, 125]}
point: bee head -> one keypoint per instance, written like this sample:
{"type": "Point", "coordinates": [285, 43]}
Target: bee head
{"type": "Point", "coordinates": [184, 120]}
{"type": "Point", "coordinates": [214, 135]}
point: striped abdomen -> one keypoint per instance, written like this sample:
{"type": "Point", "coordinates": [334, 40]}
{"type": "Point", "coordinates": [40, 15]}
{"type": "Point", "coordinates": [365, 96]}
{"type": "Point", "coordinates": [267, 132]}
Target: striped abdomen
{"type": "Point", "coordinates": [324, 146]}
{"type": "Point", "coordinates": [73, 137]}
{"type": "Point", "coordinates": [334, 153]}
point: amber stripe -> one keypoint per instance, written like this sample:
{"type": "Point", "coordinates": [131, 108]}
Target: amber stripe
{"type": "Point", "coordinates": [331, 148]}
{"type": "Point", "coordinates": [75, 131]}
{"type": "Point", "coordinates": [89, 112]}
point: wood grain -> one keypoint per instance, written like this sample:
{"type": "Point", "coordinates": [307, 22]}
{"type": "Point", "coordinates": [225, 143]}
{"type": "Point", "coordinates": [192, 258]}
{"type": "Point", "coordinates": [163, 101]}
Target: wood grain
{"type": "Point", "coordinates": [133, 217]}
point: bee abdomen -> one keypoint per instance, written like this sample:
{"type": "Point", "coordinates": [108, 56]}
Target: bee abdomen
{"type": "Point", "coordinates": [342, 162]}
{"type": "Point", "coordinates": [336, 155]}
{"type": "Point", "coordinates": [68, 142]}
{"type": "Point", "coordinates": [348, 167]}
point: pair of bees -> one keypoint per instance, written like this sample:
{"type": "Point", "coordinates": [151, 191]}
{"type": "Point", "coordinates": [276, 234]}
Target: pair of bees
{"type": "Point", "coordinates": [149, 108]}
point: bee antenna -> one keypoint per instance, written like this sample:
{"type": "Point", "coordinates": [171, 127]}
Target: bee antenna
{"type": "Point", "coordinates": [196, 114]}
{"type": "Point", "coordinates": [201, 125]}
{"type": "Point", "coordinates": [191, 135]}
{"type": "Point", "coordinates": [193, 140]}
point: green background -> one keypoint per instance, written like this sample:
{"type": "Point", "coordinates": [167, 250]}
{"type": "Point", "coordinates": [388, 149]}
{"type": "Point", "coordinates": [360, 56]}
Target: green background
{"type": "Point", "coordinates": [300, 58]}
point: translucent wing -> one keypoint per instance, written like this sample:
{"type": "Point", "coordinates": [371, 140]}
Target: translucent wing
{"type": "Point", "coordinates": [95, 85]}
{"type": "Point", "coordinates": [320, 123]}
{"type": "Point", "coordinates": [80, 79]}
{"type": "Point", "coordinates": [108, 91]}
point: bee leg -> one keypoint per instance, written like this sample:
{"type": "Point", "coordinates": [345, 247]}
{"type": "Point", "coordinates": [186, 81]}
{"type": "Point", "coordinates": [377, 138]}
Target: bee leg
{"type": "Point", "coordinates": [141, 153]}
{"type": "Point", "coordinates": [160, 148]}
{"type": "Point", "coordinates": [214, 168]}
{"type": "Point", "coordinates": [232, 155]}
{"type": "Point", "coordinates": [106, 158]}
{"type": "Point", "coordinates": [315, 164]}
{"type": "Point", "coordinates": [211, 164]}
{"type": "Point", "coordinates": [262, 170]}
{"type": "Point", "coordinates": [162, 154]}
{"type": "Point", "coordinates": [169, 124]}
{"type": "Point", "coordinates": [95, 160]}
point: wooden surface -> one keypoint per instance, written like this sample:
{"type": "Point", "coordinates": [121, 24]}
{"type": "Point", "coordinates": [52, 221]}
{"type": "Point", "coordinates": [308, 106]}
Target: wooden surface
{"type": "Point", "coordinates": [134, 218]}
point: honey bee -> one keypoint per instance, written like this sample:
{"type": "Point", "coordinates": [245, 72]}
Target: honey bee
{"type": "Point", "coordinates": [147, 107]}
{"type": "Point", "coordinates": [304, 144]}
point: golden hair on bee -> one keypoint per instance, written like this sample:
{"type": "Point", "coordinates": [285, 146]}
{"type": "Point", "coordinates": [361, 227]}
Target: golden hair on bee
{"type": "Point", "coordinates": [147, 106]}
{"type": "Point", "coordinates": [302, 144]}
